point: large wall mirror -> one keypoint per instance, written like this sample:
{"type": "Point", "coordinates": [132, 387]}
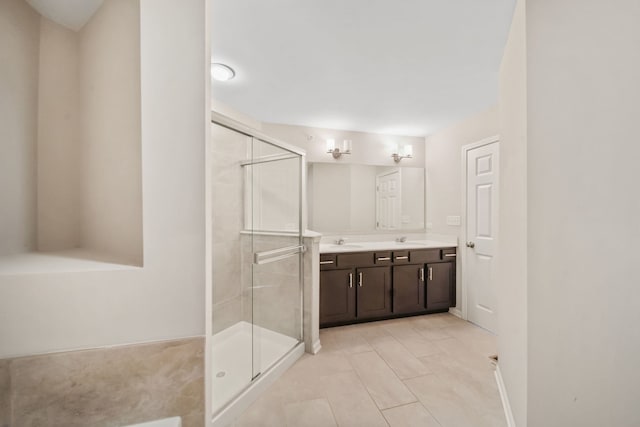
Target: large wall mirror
{"type": "Point", "coordinates": [352, 198]}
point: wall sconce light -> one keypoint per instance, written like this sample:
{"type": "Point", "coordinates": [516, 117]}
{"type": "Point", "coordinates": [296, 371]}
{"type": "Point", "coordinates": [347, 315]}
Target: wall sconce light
{"type": "Point", "coordinates": [336, 151]}
{"type": "Point", "coordinates": [405, 153]}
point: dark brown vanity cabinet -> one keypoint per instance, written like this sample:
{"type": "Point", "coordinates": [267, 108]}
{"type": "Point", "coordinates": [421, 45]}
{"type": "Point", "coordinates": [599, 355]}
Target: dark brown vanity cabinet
{"type": "Point", "coordinates": [373, 293]}
{"type": "Point", "coordinates": [359, 286]}
{"type": "Point", "coordinates": [337, 296]}
{"type": "Point", "coordinates": [350, 294]}
{"type": "Point", "coordinates": [440, 285]}
{"type": "Point", "coordinates": [408, 288]}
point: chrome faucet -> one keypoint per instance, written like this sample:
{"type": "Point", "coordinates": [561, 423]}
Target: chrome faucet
{"type": "Point", "coordinates": [340, 241]}
{"type": "Point", "coordinates": [401, 239]}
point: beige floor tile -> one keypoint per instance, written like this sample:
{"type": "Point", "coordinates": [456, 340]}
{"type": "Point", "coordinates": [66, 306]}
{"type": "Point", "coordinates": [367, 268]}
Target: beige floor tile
{"type": "Point", "coordinates": [267, 411]}
{"type": "Point", "coordinates": [452, 378]}
{"type": "Point", "coordinates": [480, 396]}
{"type": "Point", "coordinates": [351, 404]}
{"type": "Point", "coordinates": [309, 413]}
{"type": "Point", "coordinates": [429, 329]}
{"type": "Point", "coordinates": [321, 364]}
{"type": "Point", "coordinates": [464, 353]}
{"type": "Point", "coordinates": [411, 339]}
{"type": "Point", "coordinates": [344, 339]}
{"type": "Point", "coordinates": [371, 331]}
{"type": "Point", "coordinates": [441, 400]}
{"type": "Point", "coordinates": [476, 338]}
{"type": "Point", "coordinates": [411, 415]}
{"type": "Point", "coordinates": [382, 384]}
{"type": "Point", "coordinates": [400, 360]}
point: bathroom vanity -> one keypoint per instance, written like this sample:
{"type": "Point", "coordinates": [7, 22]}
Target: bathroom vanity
{"type": "Point", "coordinates": [373, 281]}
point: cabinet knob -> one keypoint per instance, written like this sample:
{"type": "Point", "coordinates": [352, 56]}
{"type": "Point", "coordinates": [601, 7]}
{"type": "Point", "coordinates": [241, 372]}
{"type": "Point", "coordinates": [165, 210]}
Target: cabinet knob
{"type": "Point", "coordinates": [471, 245]}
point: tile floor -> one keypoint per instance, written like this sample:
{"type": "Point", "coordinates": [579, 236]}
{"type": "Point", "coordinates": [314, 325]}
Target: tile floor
{"type": "Point", "coordinates": [422, 371]}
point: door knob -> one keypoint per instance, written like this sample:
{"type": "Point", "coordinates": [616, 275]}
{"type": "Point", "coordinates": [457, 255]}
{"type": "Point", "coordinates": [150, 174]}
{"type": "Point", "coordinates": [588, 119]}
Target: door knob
{"type": "Point", "coordinates": [471, 245]}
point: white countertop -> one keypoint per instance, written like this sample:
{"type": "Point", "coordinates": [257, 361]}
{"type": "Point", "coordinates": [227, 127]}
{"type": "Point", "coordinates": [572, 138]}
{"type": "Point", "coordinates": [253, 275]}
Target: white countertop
{"type": "Point", "coordinates": [326, 248]}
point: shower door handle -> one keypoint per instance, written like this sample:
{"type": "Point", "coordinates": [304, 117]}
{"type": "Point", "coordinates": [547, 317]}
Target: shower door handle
{"type": "Point", "coordinates": [277, 254]}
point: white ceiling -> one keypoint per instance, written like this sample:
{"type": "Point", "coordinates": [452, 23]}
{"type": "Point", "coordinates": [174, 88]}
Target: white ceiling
{"type": "Point", "coordinates": [72, 14]}
{"type": "Point", "coordinates": [405, 67]}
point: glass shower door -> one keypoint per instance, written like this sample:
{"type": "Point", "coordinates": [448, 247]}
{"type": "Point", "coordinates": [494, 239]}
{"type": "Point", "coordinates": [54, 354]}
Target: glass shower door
{"type": "Point", "coordinates": [275, 223]}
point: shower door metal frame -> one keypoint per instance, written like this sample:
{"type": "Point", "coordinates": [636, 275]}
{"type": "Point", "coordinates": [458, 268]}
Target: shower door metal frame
{"type": "Point", "coordinates": [269, 256]}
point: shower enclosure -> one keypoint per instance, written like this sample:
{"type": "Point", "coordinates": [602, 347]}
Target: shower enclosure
{"type": "Point", "coordinates": [257, 259]}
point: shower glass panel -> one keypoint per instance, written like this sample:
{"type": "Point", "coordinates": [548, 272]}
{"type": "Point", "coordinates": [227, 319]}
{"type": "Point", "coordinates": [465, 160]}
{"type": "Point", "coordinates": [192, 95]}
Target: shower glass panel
{"type": "Point", "coordinates": [257, 258]}
{"type": "Point", "coordinates": [275, 222]}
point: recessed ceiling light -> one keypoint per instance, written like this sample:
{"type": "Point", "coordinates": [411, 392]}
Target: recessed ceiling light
{"type": "Point", "coordinates": [222, 72]}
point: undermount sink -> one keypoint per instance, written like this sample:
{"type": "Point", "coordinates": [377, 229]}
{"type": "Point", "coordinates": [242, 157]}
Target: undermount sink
{"type": "Point", "coordinates": [410, 242]}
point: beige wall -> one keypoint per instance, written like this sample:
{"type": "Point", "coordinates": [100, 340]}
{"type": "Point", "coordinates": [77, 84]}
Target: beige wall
{"type": "Point", "coordinates": [74, 181]}
{"type": "Point", "coordinates": [110, 98]}
{"type": "Point", "coordinates": [166, 298]}
{"type": "Point", "coordinates": [444, 173]}
{"type": "Point", "coordinates": [583, 64]}
{"type": "Point", "coordinates": [511, 255]}
{"type": "Point", "coordinates": [19, 55]}
{"type": "Point", "coordinates": [59, 146]}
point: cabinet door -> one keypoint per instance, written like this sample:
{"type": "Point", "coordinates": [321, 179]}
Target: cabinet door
{"type": "Point", "coordinates": [408, 289]}
{"type": "Point", "coordinates": [337, 296]}
{"type": "Point", "coordinates": [440, 279]}
{"type": "Point", "coordinates": [374, 292]}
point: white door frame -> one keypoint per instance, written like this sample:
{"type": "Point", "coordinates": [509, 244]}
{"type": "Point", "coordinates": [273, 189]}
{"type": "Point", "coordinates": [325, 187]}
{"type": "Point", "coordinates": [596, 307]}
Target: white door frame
{"type": "Point", "coordinates": [462, 253]}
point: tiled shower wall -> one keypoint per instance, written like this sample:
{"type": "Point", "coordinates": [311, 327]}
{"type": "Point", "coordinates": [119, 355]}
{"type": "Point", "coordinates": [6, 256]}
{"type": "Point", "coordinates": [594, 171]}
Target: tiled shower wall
{"type": "Point", "coordinates": [105, 387]}
{"type": "Point", "coordinates": [229, 149]}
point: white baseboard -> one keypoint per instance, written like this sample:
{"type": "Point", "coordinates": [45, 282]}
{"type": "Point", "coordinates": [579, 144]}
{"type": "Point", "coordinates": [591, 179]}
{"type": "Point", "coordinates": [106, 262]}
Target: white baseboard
{"type": "Point", "coordinates": [456, 312]}
{"type": "Point", "coordinates": [504, 397]}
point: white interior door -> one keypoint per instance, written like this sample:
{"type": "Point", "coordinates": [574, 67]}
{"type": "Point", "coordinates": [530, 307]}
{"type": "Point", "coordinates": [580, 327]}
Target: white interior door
{"type": "Point", "coordinates": [482, 224]}
{"type": "Point", "coordinates": [388, 202]}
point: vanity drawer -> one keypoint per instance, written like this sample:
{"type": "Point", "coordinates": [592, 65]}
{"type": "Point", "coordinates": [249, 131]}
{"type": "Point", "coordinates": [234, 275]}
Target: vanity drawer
{"type": "Point", "coordinates": [424, 256]}
{"type": "Point", "coordinates": [401, 257]}
{"type": "Point", "coordinates": [449, 254]}
{"type": "Point", "coordinates": [383, 258]}
{"type": "Point", "coordinates": [327, 261]}
{"type": "Point", "coordinates": [355, 259]}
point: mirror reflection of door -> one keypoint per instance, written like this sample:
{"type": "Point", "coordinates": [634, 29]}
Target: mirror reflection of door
{"type": "Point", "coordinates": [388, 200]}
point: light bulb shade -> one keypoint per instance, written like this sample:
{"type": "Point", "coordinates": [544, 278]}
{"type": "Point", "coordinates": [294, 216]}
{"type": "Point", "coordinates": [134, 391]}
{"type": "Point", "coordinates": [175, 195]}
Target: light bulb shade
{"type": "Point", "coordinates": [222, 72]}
{"type": "Point", "coordinates": [346, 146]}
{"type": "Point", "coordinates": [331, 145]}
{"type": "Point", "coordinates": [407, 150]}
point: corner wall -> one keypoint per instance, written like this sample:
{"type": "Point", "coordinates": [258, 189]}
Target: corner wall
{"type": "Point", "coordinates": [583, 212]}
{"type": "Point", "coordinates": [48, 312]}
{"type": "Point", "coordinates": [511, 255]}
{"type": "Point", "coordinates": [109, 64]}
{"type": "Point", "coordinates": [443, 159]}
{"type": "Point", "coordinates": [59, 147]}
{"type": "Point", "coordinates": [19, 57]}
